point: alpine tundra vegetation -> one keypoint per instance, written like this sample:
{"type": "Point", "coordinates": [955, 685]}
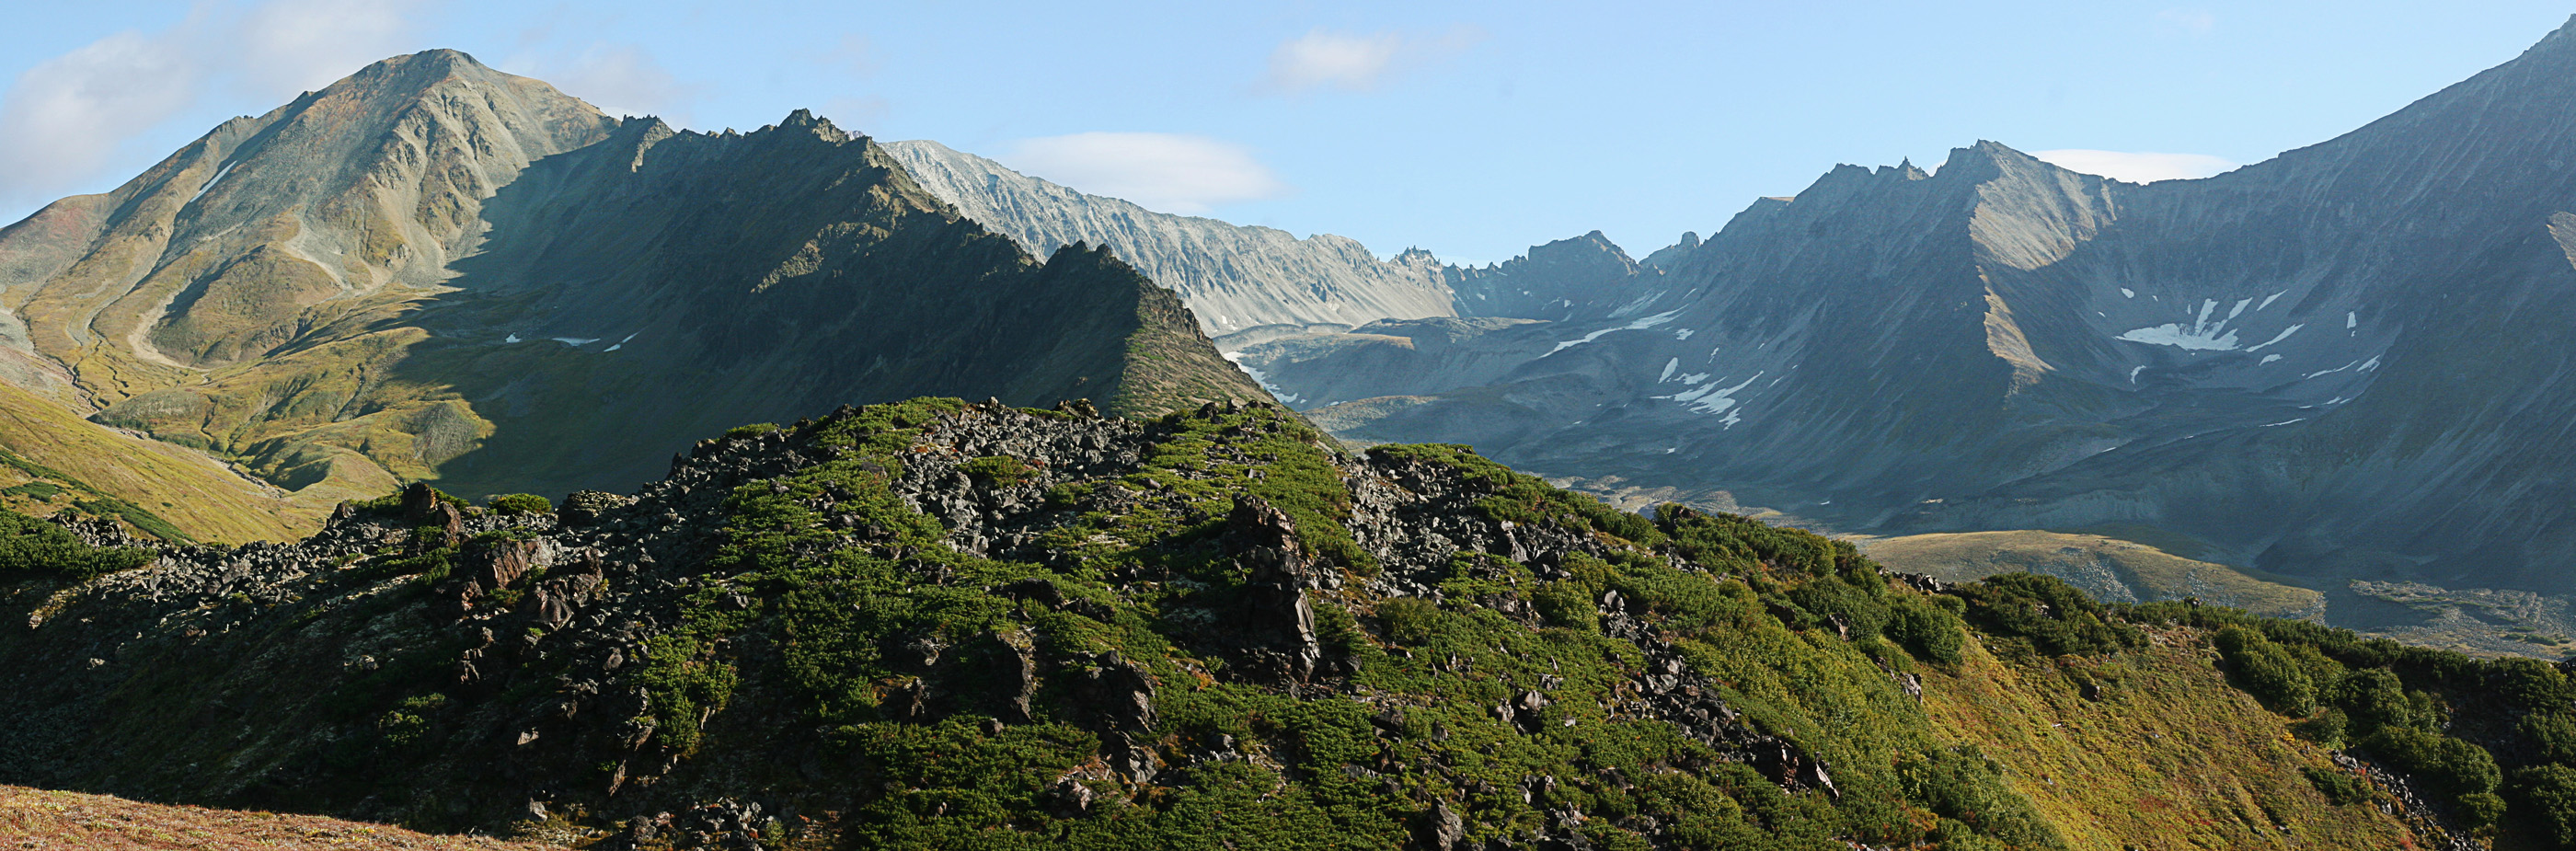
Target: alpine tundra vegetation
{"type": "Point", "coordinates": [937, 624]}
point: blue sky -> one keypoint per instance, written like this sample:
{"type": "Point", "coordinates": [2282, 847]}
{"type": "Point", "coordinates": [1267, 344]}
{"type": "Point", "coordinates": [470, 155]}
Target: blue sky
{"type": "Point", "coordinates": [1471, 129]}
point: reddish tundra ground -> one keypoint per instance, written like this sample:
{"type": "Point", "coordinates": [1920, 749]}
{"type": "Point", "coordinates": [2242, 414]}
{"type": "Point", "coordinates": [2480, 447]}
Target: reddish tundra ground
{"type": "Point", "coordinates": [33, 819]}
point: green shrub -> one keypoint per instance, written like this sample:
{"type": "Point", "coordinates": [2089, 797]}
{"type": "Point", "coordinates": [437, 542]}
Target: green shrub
{"type": "Point", "coordinates": [2327, 729]}
{"type": "Point", "coordinates": [2530, 683]}
{"type": "Point", "coordinates": [1000, 470]}
{"type": "Point", "coordinates": [521, 503]}
{"type": "Point", "coordinates": [31, 546]}
{"type": "Point", "coordinates": [2340, 788]}
{"type": "Point", "coordinates": [404, 725]}
{"type": "Point", "coordinates": [2479, 811]}
{"type": "Point", "coordinates": [2552, 735]}
{"type": "Point", "coordinates": [1862, 614]}
{"type": "Point", "coordinates": [2376, 699]}
{"type": "Point", "coordinates": [2057, 618]}
{"type": "Point", "coordinates": [1409, 620]}
{"type": "Point", "coordinates": [1962, 784]}
{"type": "Point", "coordinates": [2449, 764]}
{"type": "Point", "coordinates": [683, 688]}
{"type": "Point", "coordinates": [2547, 800]}
{"type": "Point", "coordinates": [1568, 604]}
{"type": "Point", "coordinates": [1927, 630]}
{"type": "Point", "coordinates": [2265, 671]}
{"type": "Point", "coordinates": [749, 430]}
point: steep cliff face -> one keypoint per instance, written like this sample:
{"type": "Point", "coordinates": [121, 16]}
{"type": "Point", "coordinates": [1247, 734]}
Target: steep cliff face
{"type": "Point", "coordinates": [1233, 277]}
{"type": "Point", "coordinates": [435, 270]}
{"type": "Point", "coordinates": [2329, 363]}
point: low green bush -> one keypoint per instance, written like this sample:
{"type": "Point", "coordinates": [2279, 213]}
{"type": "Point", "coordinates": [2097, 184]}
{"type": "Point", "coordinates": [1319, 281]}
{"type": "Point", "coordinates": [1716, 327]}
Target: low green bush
{"type": "Point", "coordinates": [2340, 788]}
{"type": "Point", "coordinates": [2265, 671]}
{"type": "Point", "coordinates": [2058, 619]}
{"type": "Point", "coordinates": [31, 546]}
{"type": "Point", "coordinates": [521, 503]}
{"type": "Point", "coordinates": [2546, 796]}
{"type": "Point", "coordinates": [1930, 632]}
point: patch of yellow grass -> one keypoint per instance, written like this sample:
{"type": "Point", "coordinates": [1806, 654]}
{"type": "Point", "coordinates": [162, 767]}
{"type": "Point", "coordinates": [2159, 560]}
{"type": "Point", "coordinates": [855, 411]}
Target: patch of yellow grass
{"type": "Point", "coordinates": [2169, 756]}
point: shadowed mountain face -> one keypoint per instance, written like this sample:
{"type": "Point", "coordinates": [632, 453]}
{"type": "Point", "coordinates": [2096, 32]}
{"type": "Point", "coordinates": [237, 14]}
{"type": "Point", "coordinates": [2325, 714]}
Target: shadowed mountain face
{"type": "Point", "coordinates": [2339, 362]}
{"type": "Point", "coordinates": [433, 269]}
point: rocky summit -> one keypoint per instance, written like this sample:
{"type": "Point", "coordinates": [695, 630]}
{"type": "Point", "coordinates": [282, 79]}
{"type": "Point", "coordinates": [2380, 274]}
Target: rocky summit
{"type": "Point", "coordinates": [937, 624]}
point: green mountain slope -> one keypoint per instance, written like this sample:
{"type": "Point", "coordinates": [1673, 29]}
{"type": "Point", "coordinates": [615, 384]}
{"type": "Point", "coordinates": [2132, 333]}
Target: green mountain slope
{"type": "Point", "coordinates": [942, 625]}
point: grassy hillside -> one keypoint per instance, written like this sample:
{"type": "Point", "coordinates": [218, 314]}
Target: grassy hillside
{"type": "Point", "coordinates": [2108, 568]}
{"type": "Point", "coordinates": [2164, 755]}
{"type": "Point", "coordinates": [52, 460]}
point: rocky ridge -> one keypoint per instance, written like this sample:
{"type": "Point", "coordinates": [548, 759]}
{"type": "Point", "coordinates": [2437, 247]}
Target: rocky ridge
{"type": "Point", "coordinates": [1124, 626]}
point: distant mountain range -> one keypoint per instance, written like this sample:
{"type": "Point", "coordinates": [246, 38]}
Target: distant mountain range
{"type": "Point", "coordinates": [2346, 362]}
{"type": "Point", "coordinates": [433, 269]}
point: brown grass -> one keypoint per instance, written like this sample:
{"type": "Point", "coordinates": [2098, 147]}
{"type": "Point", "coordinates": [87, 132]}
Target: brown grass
{"type": "Point", "coordinates": [40, 820]}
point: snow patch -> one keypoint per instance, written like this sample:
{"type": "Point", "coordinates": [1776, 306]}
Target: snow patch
{"type": "Point", "coordinates": [1639, 325]}
{"type": "Point", "coordinates": [2133, 373]}
{"type": "Point", "coordinates": [575, 341]}
{"type": "Point", "coordinates": [2284, 335]}
{"type": "Point", "coordinates": [210, 184]}
{"type": "Point", "coordinates": [1685, 333]}
{"type": "Point", "coordinates": [2125, 292]}
{"type": "Point", "coordinates": [2351, 320]}
{"type": "Point", "coordinates": [2267, 300]}
{"type": "Point", "coordinates": [1713, 399]}
{"type": "Point", "coordinates": [2269, 359]}
{"type": "Point", "coordinates": [1669, 366]}
{"type": "Point", "coordinates": [2203, 334]}
{"type": "Point", "coordinates": [2285, 422]}
{"type": "Point", "coordinates": [512, 339]}
{"type": "Point", "coordinates": [2373, 364]}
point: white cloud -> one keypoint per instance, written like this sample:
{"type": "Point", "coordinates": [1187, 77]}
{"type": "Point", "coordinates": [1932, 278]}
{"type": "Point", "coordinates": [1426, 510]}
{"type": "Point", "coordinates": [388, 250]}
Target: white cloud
{"type": "Point", "coordinates": [622, 80]}
{"type": "Point", "coordinates": [1354, 62]}
{"type": "Point", "coordinates": [2136, 166]}
{"type": "Point", "coordinates": [289, 46]}
{"type": "Point", "coordinates": [68, 118]}
{"type": "Point", "coordinates": [1162, 171]}
{"type": "Point", "coordinates": [63, 119]}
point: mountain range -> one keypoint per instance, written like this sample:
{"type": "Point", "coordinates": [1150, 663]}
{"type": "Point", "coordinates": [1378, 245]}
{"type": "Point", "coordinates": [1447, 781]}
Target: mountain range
{"type": "Point", "coordinates": [1133, 599]}
{"type": "Point", "coordinates": [2337, 364]}
{"type": "Point", "coordinates": [432, 269]}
